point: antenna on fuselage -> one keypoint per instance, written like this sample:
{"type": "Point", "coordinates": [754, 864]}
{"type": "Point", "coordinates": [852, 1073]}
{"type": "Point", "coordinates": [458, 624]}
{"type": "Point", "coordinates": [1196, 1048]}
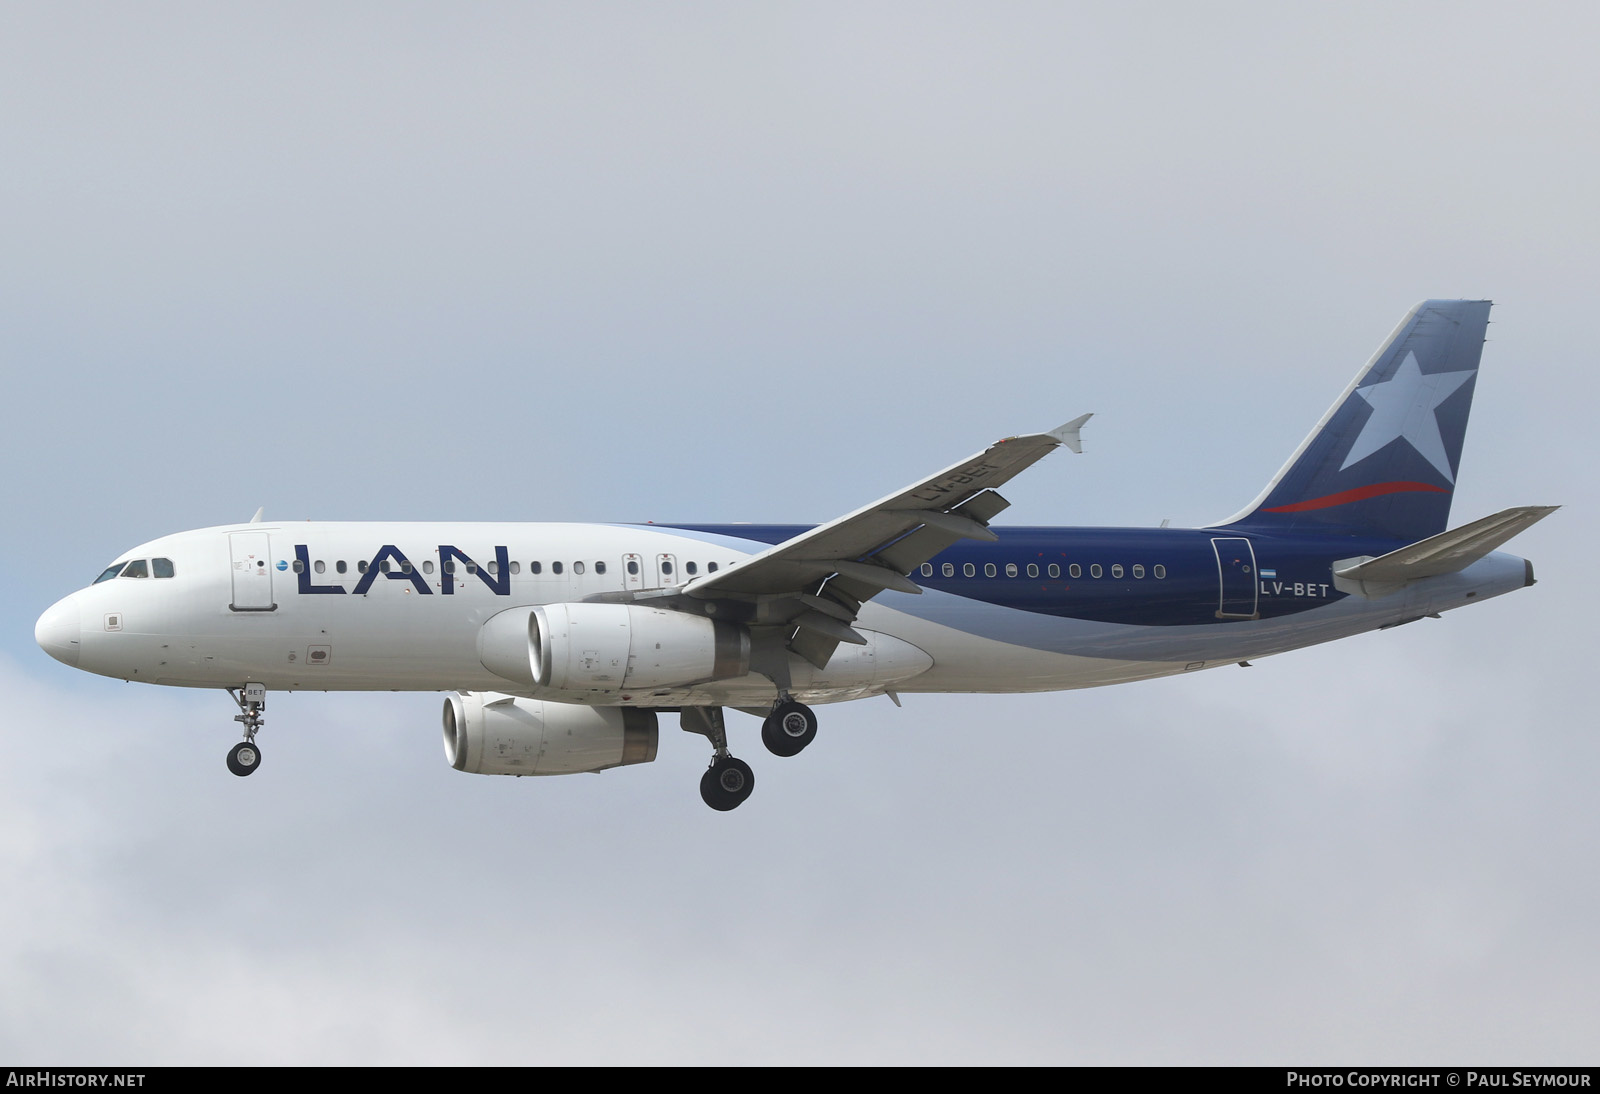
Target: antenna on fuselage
{"type": "Point", "coordinates": [257, 518]}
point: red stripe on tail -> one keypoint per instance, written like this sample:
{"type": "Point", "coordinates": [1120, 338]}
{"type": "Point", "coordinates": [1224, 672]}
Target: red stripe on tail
{"type": "Point", "coordinates": [1360, 493]}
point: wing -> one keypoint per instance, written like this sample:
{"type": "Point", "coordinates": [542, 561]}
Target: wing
{"type": "Point", "coordinates": [814, 584]}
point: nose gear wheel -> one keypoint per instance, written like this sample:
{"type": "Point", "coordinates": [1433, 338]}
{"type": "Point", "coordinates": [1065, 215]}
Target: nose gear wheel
{"type": "Point", "coordinates": [245, 757]}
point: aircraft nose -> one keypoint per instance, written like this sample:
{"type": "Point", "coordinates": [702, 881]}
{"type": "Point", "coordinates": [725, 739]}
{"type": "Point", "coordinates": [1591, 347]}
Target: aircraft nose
{"type": "Point", "coordinates": [57, 631]}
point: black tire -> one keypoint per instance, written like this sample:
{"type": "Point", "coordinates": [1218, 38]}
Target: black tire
{"type": "Point", "coordinates": [244, 758]}
{"type": "Point", "coordinates": [789, 729]}
{"type": "Point", "coordinates": [773, 738]}
{"type": "Point", "coordinates": [726, 784]}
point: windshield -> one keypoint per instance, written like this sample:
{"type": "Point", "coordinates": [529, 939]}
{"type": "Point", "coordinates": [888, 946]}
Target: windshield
{"type": "Point", "coordinates": [111, 571]}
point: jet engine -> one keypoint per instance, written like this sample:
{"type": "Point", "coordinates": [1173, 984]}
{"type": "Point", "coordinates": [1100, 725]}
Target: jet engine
{"type": "Point", "coordinates": [487, 733]}
{"type": "Point", "coordinates": [611, 647]}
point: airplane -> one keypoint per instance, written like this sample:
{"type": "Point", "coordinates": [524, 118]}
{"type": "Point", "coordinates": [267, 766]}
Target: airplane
{"type": "Point", "coordinates": [559, 645]}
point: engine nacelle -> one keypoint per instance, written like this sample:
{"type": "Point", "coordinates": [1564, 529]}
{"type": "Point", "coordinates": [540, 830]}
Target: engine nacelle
{"type": "Point", "coordinates": [611, 647]}
{"type": "Point", "coordinates": [487, 733]}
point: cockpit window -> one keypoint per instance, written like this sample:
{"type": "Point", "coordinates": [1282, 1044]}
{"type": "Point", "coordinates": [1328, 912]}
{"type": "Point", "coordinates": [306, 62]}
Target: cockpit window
{"type": "Point", "coordinates": [136, 568]}
{"type": "Point", "coordinates": [111, 572]}
{"type": "Point", "coordinates": [162, 567]}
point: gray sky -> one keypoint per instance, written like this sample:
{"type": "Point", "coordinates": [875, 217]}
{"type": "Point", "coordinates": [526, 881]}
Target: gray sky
{"type": "Point", "coordinates": [767, 262]}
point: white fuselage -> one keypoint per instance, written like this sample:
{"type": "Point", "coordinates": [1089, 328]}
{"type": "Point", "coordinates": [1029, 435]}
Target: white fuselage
{"type": "Point", "coordinates": [242, 606]}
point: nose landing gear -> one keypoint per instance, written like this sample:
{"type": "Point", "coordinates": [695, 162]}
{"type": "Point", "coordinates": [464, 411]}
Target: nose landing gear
{"type": "Point", "coordinates": [245, 757]}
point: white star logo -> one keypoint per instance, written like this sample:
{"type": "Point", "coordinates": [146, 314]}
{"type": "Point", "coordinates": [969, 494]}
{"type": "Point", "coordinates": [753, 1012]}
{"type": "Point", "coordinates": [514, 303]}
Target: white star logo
{"type": "Point", "coordinates": [1404, 406]}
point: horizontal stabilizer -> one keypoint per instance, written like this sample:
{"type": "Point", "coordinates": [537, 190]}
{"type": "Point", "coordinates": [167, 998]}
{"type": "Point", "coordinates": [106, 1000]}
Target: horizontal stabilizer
{"type": "Point", "coordinates": [1445, 553]}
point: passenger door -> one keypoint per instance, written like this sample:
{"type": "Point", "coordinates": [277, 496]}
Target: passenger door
{"type": "Point", "coordinates": [252, 572]}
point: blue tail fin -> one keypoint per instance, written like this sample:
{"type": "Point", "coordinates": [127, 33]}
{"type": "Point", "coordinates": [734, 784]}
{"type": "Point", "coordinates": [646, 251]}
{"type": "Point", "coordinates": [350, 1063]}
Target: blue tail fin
{"type": "Point", "coordinates": [1383, 459]}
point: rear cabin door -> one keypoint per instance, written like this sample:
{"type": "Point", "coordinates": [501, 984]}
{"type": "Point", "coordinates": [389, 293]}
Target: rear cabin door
{"type": "Point", "coordinates": [1236, 574]}
{"type": "Point", "coordinates": [252, 572]}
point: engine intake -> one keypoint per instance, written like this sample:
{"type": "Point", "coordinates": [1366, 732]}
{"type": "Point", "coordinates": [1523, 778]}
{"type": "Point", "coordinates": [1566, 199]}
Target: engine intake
{"type": "Point", "coordinates": [486, 733]}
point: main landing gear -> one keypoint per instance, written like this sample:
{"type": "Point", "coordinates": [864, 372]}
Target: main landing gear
{"type": "Point", "coordinates": [245, 757]}
{"type": "Point", "coordinates": [789, 728]}
{"type": "Point", "coordinates": [728, 781]}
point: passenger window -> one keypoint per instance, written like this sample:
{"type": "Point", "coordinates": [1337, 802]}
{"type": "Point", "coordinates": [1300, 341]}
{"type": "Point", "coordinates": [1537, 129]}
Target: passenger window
{"type": "Point", "coordinates": [711, 567]}
{"type": "Point", "coordinates": [472, 567]}
{"type": "Point", "coordinates": [1116, 570]}
{"type": "Point", "coordinates": [136, 568]}
{"type": "Point", "coordinates": [1160, 570]}
{"type": "Point", "coordinates": [536, 567]}
{"type": "Point", "coordinates": [1138, 570]}
{"type": "Point", "coordinates": [161, 567]}
{"type": "Point", "coordinates": [1055, 570]}
{"type": "Point", "coordinates": [927, 569]}
{"type": "Point", "coordinates": [577, 567]}
{"type": "Point", "coordinates": [969, 569]}
{"type": "Point", "coordinates": [1033, 569]}
{"type": "Point", "coordinates": [1095, 571]}
{"type": "Point", "coordinates": [988, 569]}
{"type": "Point", "coordinates": [427, 565]}
{"type": "Point", "coordinates": [384, 566]}
{"type": "Point", "coordinates": [948, 569]}
{"type": "Point", "coordinates": [599, 567]}
{"type": "Point", "coordinates": [1075, 570]}
{"type": "Point", "coordinates": [339, 566]}
{"type": "Point", "coordinates": [449, 565]}
{"type": "Point", "coordinates": [405, 567]}
{"type": "Point", "coordinates": [555, 567]}
{"type": "Point", "coordinates": [320, 566]}
{"type": "Point", "coordinates": [633, 567]}
{"type": "Point", "coordinates": [516, 567]}
{"type": "Point", "coordinates": [111, 572]}
{"type": "Point", "coordinates": [297, 566]}
{"type": "Point", "coordinates": [494, 567]}
{"type": "Point", "coordinates": [666, 567]}
{"type": "Point", "coordinates": [691, 567]}
{"type": "Point", "coordinates": [361, 567]}
{"type": "Point", "coordinates": [1011, 569]}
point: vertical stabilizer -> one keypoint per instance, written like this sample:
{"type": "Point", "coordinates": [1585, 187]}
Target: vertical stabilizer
{"type": "Point", "coordinates": [1383, 460]}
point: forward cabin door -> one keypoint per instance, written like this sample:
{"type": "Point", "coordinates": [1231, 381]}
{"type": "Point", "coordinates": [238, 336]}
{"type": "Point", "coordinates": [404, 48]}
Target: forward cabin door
{"type": "Point", "coordinates": [1236, 573]}
{"type": "Point", "coordinates": [252, 572]}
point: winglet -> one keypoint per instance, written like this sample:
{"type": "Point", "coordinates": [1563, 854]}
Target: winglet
{"type": "Point", "coordinates": [257, 518]}
{"type": "Point", "coordinates": [1068, 434]}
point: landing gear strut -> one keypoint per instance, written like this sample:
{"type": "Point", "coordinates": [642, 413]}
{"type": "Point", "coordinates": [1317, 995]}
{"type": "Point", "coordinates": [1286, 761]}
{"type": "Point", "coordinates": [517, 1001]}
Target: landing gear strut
{"type": "Point", "coordinates": [728, 781]}
{"type": "Point", "coordinates": [789, 728]}
{"type": "Point", "coordinates": [245, 757]}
